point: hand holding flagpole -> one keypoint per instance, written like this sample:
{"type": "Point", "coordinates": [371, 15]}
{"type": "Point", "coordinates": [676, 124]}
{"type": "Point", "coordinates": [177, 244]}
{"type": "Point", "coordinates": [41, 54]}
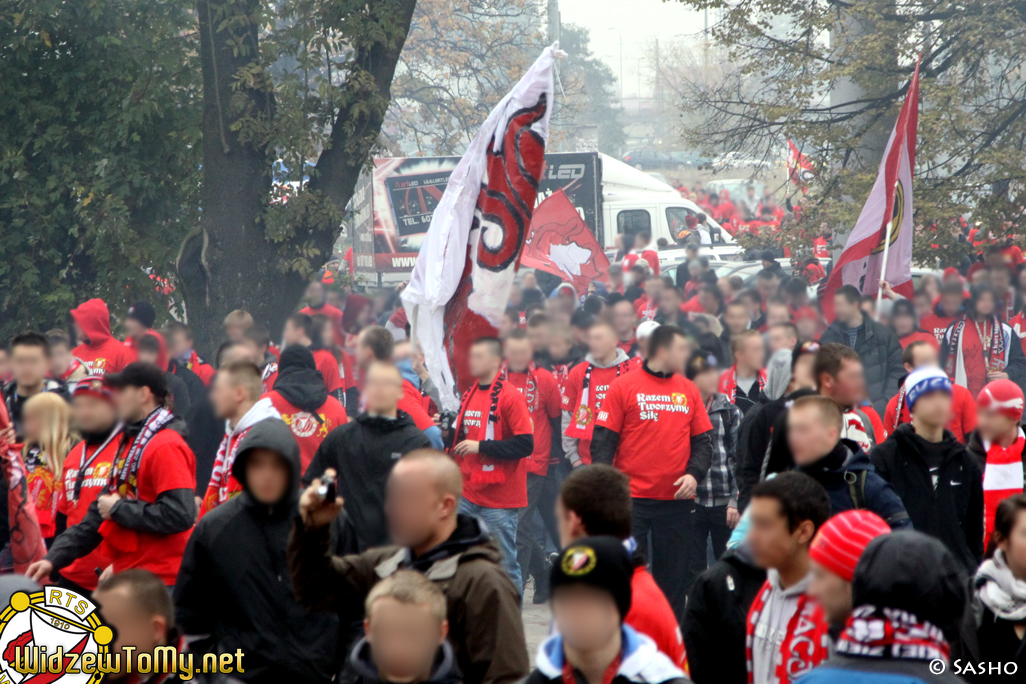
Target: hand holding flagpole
{"type": "Point", "coordinates": [883, 269]}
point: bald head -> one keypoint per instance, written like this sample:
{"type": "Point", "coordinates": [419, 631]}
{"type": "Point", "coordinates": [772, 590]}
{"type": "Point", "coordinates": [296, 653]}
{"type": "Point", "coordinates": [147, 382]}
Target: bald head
{"type": "Point", "coordinates": [423, 498]}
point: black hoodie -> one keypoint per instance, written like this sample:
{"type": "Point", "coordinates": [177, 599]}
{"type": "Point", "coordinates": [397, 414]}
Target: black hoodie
{"type": "Point", "coordinates": [950, 510]}
{"type": "Point", "coordinates": [234, 583]}
{"type": "Point", "coordinates": [363, 453]}
{"type": "Point", "coordinates": [299, 382]}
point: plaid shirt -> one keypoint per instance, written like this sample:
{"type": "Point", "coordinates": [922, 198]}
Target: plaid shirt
{"type": "Point", "coordinates": [719, 487]}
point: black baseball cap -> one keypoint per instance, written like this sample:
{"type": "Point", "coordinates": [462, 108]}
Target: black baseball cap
{"type": "Point", "coordinates": [139, 374]}
{"type": "Point", "coordinates": [599, 562]}
{"type": "Point", "coordinates": [701, 361]}
{"type": "Point", "coordinates": [144, 313]}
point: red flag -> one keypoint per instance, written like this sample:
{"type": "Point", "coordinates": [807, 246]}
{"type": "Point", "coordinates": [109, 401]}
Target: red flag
{"type": "Point", "coordinates": [26, 540]}
{"type": "Point", "coordinates": [561, 244]}
{"type": "Point", "coordinates": [799, 168]}
{"type": "Point", "coordinates": [889, 204]}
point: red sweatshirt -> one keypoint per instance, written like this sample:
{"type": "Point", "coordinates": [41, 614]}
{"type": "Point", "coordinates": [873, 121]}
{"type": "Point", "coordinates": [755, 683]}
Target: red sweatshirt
{"type": "Point", "coordinates": [412, 403]}
{"type": "Point", "coordinates": [94, 483]}
{"type": "Point", "coordinates": [309, 433]}
{"type": "Point", "coordinates": [544, 402]}
{"type": "Point", "coordinates": [601, 379]}
{"type": "Point", "coordinates": [328, 366]}
{"type": "Point", "coordinates": [334, 314]}
{"type": "Point", "coordinates": [937, 324]}
{"type": "Point", "coordinates": [101, 353]}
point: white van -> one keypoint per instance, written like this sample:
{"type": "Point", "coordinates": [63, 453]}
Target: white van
{"type": "Point", "coordinates": [634, 202]}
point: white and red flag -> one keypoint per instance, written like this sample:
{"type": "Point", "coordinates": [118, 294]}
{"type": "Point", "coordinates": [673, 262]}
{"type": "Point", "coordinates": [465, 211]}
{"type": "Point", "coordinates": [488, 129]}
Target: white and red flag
{"type": "Point", "coordinates": [799, 169]}
{"type": "Point", "coordinates": [561, 243]}
{"type": "Point", "coordinates": [471, 253]}
{"type": "Point", "coordinates": [873, 252]}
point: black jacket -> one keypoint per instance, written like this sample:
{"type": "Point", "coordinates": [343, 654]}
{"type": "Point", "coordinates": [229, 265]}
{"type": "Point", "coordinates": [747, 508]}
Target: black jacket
{"type": "Point", "coordinates": [204, 437]}
{"type": "Point", "coordinates": [234, 583]}
{"type": "Point", "coordinates": [953, 511]}
{"type": "Point", "coordinates": [193, 383]}
{"type": "Point", "coordinates": [880, 351]}
{"type": "Point", "coordinates": [362, 453]}
{"type": "Point", "coordinates": [714, 620]}
{"type": "Point", "coordinates": [364, 671]}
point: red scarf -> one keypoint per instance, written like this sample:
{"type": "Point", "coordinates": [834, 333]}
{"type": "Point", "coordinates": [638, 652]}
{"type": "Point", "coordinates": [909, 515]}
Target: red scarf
{"type": "Point", "coordinates": [880, 633]}
{"type": "Point", "coordinates": [1002, 477]}
{"type": "Point", "coordinates": [805, 644]}
{"type": "Point", "coordinates": [582, 424]}
{"type": "Point", "coordinates": [483, 469]}
{"type": "Point", "coordinates": [72, 367]}
{"type": "Point", "coordinates": [728, 383]}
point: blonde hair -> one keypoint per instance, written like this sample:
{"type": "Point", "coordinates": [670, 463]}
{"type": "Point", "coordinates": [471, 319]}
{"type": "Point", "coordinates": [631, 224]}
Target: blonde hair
{"type": "Point", "coordinates": [56, 440]}
{"type": "Point", "coordinates": [410, 588]}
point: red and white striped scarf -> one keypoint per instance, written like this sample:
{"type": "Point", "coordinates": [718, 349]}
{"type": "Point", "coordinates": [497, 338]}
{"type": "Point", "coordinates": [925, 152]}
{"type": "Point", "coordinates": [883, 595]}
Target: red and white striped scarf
{"type": "Point", "coordinates": [1002, 477]}
{"type": "Point", "coordinates": [806, 641]}
{"type": "Point", "coordinates": [531, 390]}
{"type": "Point", "coordinates": [483, 470]}
{"type": "Point", "coordinates": [582, 422]}
{"type": "Point", "coordinates": [728, 383]}
{"type": "Point", "coordinates": [222, 485]}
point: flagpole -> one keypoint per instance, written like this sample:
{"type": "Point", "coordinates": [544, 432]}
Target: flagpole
{"type": "Point", "coordinates": [883, 268]}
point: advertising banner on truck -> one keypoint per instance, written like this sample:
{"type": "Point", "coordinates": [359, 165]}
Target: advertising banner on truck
{"type": "Point", "coordinates": [393, 204]}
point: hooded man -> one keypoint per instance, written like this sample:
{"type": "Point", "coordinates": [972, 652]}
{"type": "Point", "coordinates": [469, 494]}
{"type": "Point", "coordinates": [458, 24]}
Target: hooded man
{"type": "Point", "coordinates": [585, 389]}
{"type": "Point", "coordinates": [939, 481]}
{"type": "Point", "coordinates": [97, 347]}
{"type": "Point", "coordinates": [909, 595]}
{"type": "Point", "coordinates": [303, 402]}
{"type": "Point", "coordinates": [814, 427]}
{"type": "Point", "coordinates": [231, 588]}
{"type": "Point", "coordinates": [364, 451]}
{"type": "Point", "coordinates": [236, 400]}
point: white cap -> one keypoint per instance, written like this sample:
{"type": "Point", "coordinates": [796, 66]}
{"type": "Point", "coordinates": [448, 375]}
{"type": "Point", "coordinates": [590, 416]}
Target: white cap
{"type": "Point", "coordinates": [646, 329]}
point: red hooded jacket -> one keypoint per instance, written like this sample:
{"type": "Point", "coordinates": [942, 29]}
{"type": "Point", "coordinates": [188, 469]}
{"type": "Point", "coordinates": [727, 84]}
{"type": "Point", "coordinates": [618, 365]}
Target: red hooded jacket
{"type": "Point", "coordinates": [100, 352]}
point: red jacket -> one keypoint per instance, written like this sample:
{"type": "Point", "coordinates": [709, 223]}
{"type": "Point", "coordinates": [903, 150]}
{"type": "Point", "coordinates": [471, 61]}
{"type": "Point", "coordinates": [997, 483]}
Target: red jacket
{"type": "Point", "coordinates": [651, 615]}
{"type": "Point", "coordinates": [963, 414]}
{"type": "Point", "coordinates": [100, 352]}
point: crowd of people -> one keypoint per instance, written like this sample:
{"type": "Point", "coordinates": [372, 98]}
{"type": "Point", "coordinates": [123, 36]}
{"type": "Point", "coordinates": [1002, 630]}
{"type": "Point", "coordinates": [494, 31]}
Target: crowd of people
{"type": "Point", "coordinates": [703, 477]}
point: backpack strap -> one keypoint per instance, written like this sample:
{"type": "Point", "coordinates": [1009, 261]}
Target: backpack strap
{"type": "Point", "coordinates": [857, 487]}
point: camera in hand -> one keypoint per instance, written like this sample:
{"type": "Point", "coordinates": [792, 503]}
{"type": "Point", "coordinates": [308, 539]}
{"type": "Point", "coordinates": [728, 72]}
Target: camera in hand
{"type": "Point", "coordinates": [446, 419]}
{"type": "Point", "coordinates": [328, 490]}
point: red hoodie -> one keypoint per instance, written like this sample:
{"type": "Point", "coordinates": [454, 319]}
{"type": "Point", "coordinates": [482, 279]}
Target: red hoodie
{"type": "Point", "coordinates": [101, 353]}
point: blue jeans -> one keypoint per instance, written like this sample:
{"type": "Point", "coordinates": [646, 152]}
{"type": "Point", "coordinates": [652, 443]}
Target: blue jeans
{"type": "Point", "coordinates": [502, 525]}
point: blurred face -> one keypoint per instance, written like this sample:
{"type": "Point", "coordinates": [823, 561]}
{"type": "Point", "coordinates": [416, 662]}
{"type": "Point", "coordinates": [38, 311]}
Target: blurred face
{"type": "Point", "coordinates": [236, 352]}
{"type": "Point", "coordinates": [924, 355]}
{"type": "Point", "coordinates": [933, 409]}
{"type": "Point", "coordinates": [414, 506]}
{"type": "Point", "coordinates": [586, 616]}
{"type": "Point", "coordinates": [767, 287]}
{"type": "Point", "coordinates": [131, 624]}
{"type": "Point", "coordinates": [769, 538]}
{"type": "Point", "coordinates": [781, 338]}
{"type": "Point", "coordinates": [708, 302]}
{"type": "Point", "coordinates": [801, 376]}
{"type": "Point", "coordinates": [60, 358]}
{"type": "Point", "coordinates": [268, 476]}
{"type": "Point", "coordinates": [364, 354]}
{"type": "Point", "coordinates": [653, 288]}
{"type": "Point", "coordinates": [1015, 548]}
{"type": "Point", "coordinates": [383, 389]}
{"type": "Point", "coordinates": [1001, 279]}
{"type": "Point", "coordinates": [292, 334]}
{"type": "Point", "coordinates": [518, 354]}
{"type": "Point", "coordinates": [845, 310]}
{"type": "Point", "coordinates": [133, 403]}
{"type": "Point", "coordinates": [903, 325]}
{"type": "Point", "coordinates": [985, 305]}
{"type": "Point", "coordinates": [726, 289]}
{"type": "Point", "coordinates": [92, 414]}
{"type": "Point", "coordinates": [832, 593]}
{"type": "Point", "coordinates": [134, 328]}
{"type": "Point", "coordinates": [922, 304]}
{"type": "Point", "coordinates": [707, 382]}
{"type": "Point", "coordinates": [993, 425]}
{"type": "Point", "coordinates": [624, 319]}
{"type": "Point", "coordinates": [559, 347]}
{"type": "Point", "coordinates": [147, 356]}
{"type": "Point", "coordinates": [236, 333]}
{"type": "Point", "coordinates": [226, 396]}
{"type": "Point", "coordinates": [30, 365]}
{"type": "Point", "coordinates": [177, 344]}
{"type": "Point", "coordinates": [808, 328]}
{"type": "Point", "coordinates": [737, 318]}
{"type": "Point", "coordinates": [314, 295]}
{"type": "Point", "coordinates": [751, 354]}
{"type": "Point", "coordinates": [530, 281]}
{"type": "Point", "coordinates": [951, 303]}
{"type": "Point", "coordinates": [979, 277]}
{"type": "Point", "coordinates": [676, 355]}
{"type": "Point", "coordinates": [506, 326]}
{"type": "Point", "coordinates": [868, 308]}
{"type": "Point", "coordinates": [539, 337]}
{"type": "Point", "coordinates": [669, 303]}
{"type": "Point", "coordinates": [483, 361]}
{"type": "Point", "coordinates": [601, 341]}
{"type": "Point", "coordinates": [254, 351]}
{"type": "Point", "coordinates": [777, 313]}
{"type": "Point", "coordinates": [404, 639]}
{"type": "Point", "coordinates": [849, 387]}
{"type": "Point", "coordinates": [809, 435]}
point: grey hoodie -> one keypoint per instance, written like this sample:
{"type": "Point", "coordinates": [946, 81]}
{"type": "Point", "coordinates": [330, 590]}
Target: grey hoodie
{"type": "Point", "coordinates": [570, 444]}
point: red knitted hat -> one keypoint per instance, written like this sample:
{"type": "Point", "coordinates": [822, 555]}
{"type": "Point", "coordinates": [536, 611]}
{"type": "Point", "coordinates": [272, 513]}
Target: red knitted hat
{"type": "Point", "coordinates": [840, 542]}
{"type": "Point", "coordinates": [1003, 396]}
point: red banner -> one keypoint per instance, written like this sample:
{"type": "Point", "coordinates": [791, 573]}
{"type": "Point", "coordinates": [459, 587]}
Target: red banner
{"type": "Point", "coordinates": [560, 243]}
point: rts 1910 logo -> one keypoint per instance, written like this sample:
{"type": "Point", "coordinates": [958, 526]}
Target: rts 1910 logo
{"type": "Point", "coordinates": [53, 635]}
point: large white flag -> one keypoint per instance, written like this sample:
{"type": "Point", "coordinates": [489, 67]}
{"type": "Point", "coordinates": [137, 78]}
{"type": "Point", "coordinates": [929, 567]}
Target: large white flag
{"type": "Point", "coordinates": [470, 256]}
{"type": "Point", "coordinates": [890, 202]}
